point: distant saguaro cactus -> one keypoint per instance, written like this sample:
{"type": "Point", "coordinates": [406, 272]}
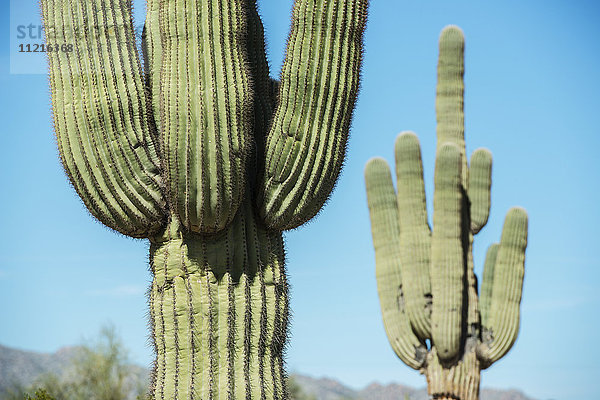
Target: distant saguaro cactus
{"type": "Point", "coordinates": [433, 317]}
{"type": "Point", "coordinates": [205, 155]}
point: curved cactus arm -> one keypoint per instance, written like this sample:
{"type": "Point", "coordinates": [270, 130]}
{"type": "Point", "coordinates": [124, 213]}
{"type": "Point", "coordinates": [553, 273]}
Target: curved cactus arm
{"type": "Point", "coordinates": [205, 109]}
{"type": "Point", "coordinates": [487, 283]}
{"type": "Point", "coordinates": [385, 229]}
{"type": "Point", "coordinates": [447, 254]}
{"type": "Point", "coordinates": [480, 182]}
{"type": "Point", "coordinates": [503, 319]}
{"type": "Point", "coordinates": [319, 83]}
{"type": "Point", "coordinates": [100, 110]}
{"type": "Point", "coordinates": [415, 234]}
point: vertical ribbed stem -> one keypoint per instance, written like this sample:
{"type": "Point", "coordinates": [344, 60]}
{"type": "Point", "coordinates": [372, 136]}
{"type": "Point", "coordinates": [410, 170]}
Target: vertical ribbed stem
{"type": "Point", "coordinates": [449, 99]}
{"type": "Point", "coordinates": [458, 382]}
{"type": "Point", "coordinates": [219, 313]}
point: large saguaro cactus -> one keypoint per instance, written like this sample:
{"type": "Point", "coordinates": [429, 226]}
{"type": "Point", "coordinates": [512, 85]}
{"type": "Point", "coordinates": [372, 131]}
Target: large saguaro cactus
{"type": "Point", "coordinates": [207, 157]}
{"type": "Point", "coordinates": [434, 319]}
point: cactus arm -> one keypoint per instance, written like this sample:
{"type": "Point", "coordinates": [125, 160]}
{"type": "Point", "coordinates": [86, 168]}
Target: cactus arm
{"type": "Point", "coordinates": [206, 101]}
{"type": "Point", "coordinates": [447, 258]}
{"type": "Point", "coordinates": [385, 229]}
{"type": "Point", "coordinates": [487, 282]}
{"type": "Point", "coordinates": [152, 53]}
{"type": "Point", "coordinates": [480, 182]}
{"type": "Point", "coordinates": [415, 234]}
{"type": "Point", "coordinates": [503, 320]}
{"type": "Point", "coordinates": [319, 84]}
{"type": "Point", "coordinates": [100, 108]}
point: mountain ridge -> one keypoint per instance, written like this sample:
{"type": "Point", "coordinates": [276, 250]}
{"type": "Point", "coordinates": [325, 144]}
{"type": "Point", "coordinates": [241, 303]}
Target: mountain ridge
{"type": "Point", "coordinates": [330, 389]}
{"type": "Point", "coordinates": [23, 367]}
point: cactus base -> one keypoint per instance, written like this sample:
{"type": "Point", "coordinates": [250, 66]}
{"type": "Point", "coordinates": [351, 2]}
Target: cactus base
{"type": "Point", "coordinates": [459, 381]}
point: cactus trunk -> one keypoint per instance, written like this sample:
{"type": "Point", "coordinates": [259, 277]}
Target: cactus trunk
{"type": "Point", "coordinates": [460, 381]}
{"type": "Point", "coordinates": [219, 312]}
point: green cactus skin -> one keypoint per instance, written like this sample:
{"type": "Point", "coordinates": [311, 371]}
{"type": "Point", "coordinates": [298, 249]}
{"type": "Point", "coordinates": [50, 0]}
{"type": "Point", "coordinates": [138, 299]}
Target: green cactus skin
{"type": "Point", "coordinates": [434, 319]}
{"type": "Point", "coordinates": [207, 157]}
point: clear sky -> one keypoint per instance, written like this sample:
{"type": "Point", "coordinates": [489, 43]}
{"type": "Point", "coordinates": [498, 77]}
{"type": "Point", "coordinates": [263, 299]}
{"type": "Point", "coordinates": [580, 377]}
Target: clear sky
{"type": "Point", "coordinates": [532, 97]}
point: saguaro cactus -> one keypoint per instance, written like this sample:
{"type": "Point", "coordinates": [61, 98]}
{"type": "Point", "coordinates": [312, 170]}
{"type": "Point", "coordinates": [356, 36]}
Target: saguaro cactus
{"type": "Point", "coordinates": [207, 157]}
{"type": "Point", "coordinates": [433, 317]}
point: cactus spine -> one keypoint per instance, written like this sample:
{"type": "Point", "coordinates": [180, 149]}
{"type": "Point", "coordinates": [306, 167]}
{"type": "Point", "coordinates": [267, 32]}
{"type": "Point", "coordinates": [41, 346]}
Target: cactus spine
{"type": "Point", "coordinates": [207, 157]}
{"type": "Point", "coordinates": [434, 319]}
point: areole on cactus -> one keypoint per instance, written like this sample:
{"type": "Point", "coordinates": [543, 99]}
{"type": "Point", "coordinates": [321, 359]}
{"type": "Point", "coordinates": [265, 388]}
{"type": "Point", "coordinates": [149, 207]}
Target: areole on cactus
{"type": "Point", "coordinates": [206, 156]}
{"type": "Point", "coordinates": [434, 319]}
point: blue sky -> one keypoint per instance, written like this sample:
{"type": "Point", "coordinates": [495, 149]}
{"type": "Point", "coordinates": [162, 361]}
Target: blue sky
{"type": "Point", "coordinates": [532, 97]}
